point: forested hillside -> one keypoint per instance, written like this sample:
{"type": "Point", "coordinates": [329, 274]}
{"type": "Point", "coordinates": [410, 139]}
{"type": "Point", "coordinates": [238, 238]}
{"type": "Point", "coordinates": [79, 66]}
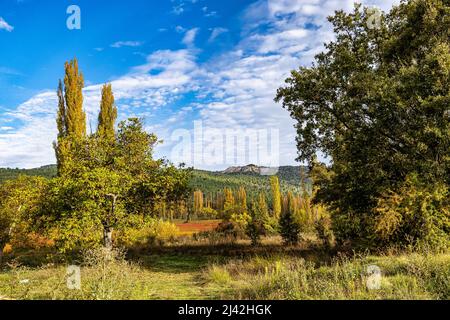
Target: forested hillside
{"type": "Point", "coordinates": [10, 174]}
{"type": "Point", "coordinates": [208, 182]}
{"type": "Point", "coordinates": [211, 182]}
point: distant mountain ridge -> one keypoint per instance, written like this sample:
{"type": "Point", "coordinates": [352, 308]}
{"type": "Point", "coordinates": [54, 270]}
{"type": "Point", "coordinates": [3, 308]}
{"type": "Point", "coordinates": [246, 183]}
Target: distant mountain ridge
{"type": "Point", "coordinates": [251, 168]}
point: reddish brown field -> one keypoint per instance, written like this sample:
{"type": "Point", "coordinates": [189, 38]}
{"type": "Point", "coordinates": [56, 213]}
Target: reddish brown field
{"type": "Point", "coordinates": [196, 226]}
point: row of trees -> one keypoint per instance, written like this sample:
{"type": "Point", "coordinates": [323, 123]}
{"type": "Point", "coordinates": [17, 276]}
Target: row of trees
{"type": "Point", "coordinates": [264, 214]}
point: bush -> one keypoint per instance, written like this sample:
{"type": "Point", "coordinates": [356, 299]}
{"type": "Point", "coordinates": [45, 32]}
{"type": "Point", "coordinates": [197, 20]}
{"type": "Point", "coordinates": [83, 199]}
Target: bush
{"type": "Point", "coordinates": [226, 232]}
{"type": "Point", "coordinates": [255, 229]}
{"type": "Point", "coordinates": [146, 231]}
{"type": "Point", "coordinates": [416, 214]}
{"type": "Point", "coordinates": [324, 232]}
{"type": "Point", "coordinates": [162, 232]}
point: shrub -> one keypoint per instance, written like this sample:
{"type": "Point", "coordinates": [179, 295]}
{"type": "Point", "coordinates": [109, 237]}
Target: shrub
{"type": "Point", "coordinates": [226, 232]}
{"type": "Point", "coordinates": [324, 232]}
{"type": "Point", "coordinates": [416, 214]}
{"type": "Point", "coordinates": [162, 232]}
{"type": "Point", "coordinates": [146, 231]}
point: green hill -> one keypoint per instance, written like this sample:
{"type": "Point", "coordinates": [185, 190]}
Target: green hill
{"type": "Point", "coordinates": [208, 182]}
{"type": "Point", "coordinates": [212, 182]}
{"type": "Point", "coordinates": [45, 171]}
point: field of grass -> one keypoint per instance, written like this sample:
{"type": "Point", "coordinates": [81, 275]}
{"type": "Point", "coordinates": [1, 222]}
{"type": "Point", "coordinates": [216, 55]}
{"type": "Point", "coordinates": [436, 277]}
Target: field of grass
{"type": "Point", "coordinates": [233, 272]}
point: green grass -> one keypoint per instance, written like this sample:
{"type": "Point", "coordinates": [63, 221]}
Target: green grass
{"type": "Point", "coordinates": [408, 276]}
{"type": "Point", "coordinates": [201, 275]}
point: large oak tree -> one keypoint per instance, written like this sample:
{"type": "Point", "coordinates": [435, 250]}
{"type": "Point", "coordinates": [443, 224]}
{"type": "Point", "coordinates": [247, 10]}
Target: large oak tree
{"type": "Point", "coordinates": [376, 103]}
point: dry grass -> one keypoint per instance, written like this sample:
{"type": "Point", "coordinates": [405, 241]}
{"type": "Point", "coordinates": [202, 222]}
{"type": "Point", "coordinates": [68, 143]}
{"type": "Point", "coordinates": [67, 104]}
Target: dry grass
{"type": "Point", "coordinates": [409, 276]}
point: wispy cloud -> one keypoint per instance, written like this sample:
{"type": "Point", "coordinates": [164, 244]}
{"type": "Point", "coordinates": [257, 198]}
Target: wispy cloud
{"type": "Point", "coordinates": [179, 9]}
{"type": "Point", "coordinates": [5, 25]}
{"type": "Point", "coordinates": [208, 13]}
{"type": "Point", "coordinates": [216, 32]}
{"type": "Point", "coordinates": [189, 37]}
{"type": "Point", "coordinates": [9, 71]}
{"type": "Point", "coordinates": [120, 44]}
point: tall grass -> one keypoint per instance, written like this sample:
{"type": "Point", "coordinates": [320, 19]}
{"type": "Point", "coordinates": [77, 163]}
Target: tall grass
{"type": "Point", "coordinates": [411, 276]}
{"type": "Point", "coordinates": [105, 275]}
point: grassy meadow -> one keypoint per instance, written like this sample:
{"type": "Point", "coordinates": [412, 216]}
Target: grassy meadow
{"type": "Point", "coordinates": [190, 269]}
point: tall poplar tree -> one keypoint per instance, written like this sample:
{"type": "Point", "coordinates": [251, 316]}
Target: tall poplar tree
{"type": "Point", "coordinates": [75, 117]}
{"type": "Point", "coordinates": [276, 196]}
{"type": "Point", "coordinates": [61, 117]}
{"type": "Point", "coordinates": [71, 119]}
{"type": "Point", "coordinates": [108, 113]}
{"type": "Point", "coordinates": [62, 128]}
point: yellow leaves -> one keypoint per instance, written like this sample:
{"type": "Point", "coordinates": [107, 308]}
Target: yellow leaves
{"type": "Point", "coordinates": [108, 113]}
{"type": "Point", "coordinates": [388, 216]}
{"type": "Point", "coordinates": [7, 249]}
{"type": "Point", "coordinates": [73, 88]}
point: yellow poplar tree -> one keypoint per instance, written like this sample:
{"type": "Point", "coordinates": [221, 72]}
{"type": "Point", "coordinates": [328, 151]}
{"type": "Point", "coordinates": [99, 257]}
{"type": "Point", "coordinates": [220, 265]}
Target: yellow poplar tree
{"type": "Point", "coordinates": [242, 200]}
{"type": "Point", "coordinates": [61, 118]}
{"type": "Point", "coordinates": [276, 196]}
{"type": "Point", "coordinates": [198, 202]}
{"type": "Point", "coordinates": [108, 113]}
{"type": "Point", "coordinates": [71, 119]}
{"type": "Point", "coordinates": [75, 117]}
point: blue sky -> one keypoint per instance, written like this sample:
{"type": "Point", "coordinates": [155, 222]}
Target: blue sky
{"type": "Point", "coordinates": [174, 63]}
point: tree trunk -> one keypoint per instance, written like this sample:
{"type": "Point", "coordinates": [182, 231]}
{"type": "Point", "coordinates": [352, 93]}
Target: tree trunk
{"type": "Point", "coordinates": [188, 216]}
{"type": "Point", "coordinates": [1, 255]}
{"type": "Point", "coordinates": [107, 229]}
{"type": "Point", "coordinates": [107, 237]}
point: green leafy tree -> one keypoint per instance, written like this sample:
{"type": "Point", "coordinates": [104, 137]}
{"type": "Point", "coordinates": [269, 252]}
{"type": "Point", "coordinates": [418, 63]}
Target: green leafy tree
{"type": "Point", "coordinates": [376, 103]}
{"type": "Point", "coordinates": [259, 222]}
{"type": "Point", "coordinates": [20, 201]}
{"type": "Point", "coordinates": [289, 226]}
{"type": "Point", "coordinates": [61, 116]}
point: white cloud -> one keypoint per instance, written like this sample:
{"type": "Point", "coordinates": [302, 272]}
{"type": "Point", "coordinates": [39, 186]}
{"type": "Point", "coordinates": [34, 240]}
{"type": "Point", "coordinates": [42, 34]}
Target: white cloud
{"type": "Point", "coordinates": [180, 29]}
{"type": "Point", "coordinates": [189, 37]}
{"type": "Point", "coordinates": [120, 44]}
{"type": "Point", "coordinates": [30, 145]}
{"type": "Point", "coordinates": [5, 25]}
{"type": "Point", "coordinates": [216, 32]}
{"type": "Point", "coordinates": [179, 9]}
